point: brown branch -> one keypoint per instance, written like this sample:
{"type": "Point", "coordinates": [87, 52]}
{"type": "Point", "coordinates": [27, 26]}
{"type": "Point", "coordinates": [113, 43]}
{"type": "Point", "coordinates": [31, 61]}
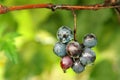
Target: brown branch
{"type": "Point", "coordinates": [113, 2]}
{"type": "Point", "coordinates": [4, 9]}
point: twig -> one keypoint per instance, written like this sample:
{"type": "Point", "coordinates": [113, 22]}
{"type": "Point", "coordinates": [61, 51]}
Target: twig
{"type": "Point", "coordinates": [113, 2]}
{"type": "Point", "coordinates": [4, 9]}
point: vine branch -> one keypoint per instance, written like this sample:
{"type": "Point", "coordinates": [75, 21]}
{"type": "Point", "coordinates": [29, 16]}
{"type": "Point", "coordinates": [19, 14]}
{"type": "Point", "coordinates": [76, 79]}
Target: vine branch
{"type": "Point", "coordinates": [53, 7]}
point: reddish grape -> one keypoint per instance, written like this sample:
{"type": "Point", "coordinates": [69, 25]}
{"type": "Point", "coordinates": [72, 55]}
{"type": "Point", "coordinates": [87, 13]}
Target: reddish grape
{"type": "Point", "coordinates": [66, 63]}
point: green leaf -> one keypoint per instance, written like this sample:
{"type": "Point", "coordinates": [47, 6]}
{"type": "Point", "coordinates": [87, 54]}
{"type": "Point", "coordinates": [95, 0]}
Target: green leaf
{"type": "Point", "coordinates": [11, 36]}
{"type": "Point", "coordinates": [10, 51]}
{"type": "Point", "coordinates": [7, 44]}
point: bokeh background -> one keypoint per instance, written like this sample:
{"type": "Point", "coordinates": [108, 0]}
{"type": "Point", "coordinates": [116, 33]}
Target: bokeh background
{"type": "Point", "coordinates": [31, 34]}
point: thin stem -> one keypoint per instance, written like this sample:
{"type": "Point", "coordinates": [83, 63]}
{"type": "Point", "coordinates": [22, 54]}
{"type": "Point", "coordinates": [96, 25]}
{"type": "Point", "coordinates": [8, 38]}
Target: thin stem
{"type": "Point", "coordinates": [4, 9]}
{"type": "Point", "coordinates": [75, 25]}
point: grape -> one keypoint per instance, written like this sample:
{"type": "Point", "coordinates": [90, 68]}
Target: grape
{"type": "Point", "coordinates": [83, 61]}
{"type": "Point", "coordinates": [73, 54]}
{"type": "Point", "coordinates": [89, 40]}
{"type": "Point", "coordinates": [64, 34]}
{"type": "Point", "coordinates": [78, 67]}
{"type": "Point", "coordinates": [66, 63]}
{"type": "Point", "coordinates": [60, 49]}
{"type": "Point", "coordinates": [74, 49]}
{"type": "Point", "coordinates": [88, 56]}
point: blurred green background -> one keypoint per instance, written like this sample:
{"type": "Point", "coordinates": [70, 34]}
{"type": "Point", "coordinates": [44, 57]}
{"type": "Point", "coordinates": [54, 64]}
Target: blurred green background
{"type": "Point", "coordinates": [27, 38]}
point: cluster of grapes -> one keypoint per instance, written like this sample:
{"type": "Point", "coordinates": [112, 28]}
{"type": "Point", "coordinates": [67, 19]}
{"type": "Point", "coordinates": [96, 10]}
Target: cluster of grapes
{"type": "Point", "coordinates": [73, 54]}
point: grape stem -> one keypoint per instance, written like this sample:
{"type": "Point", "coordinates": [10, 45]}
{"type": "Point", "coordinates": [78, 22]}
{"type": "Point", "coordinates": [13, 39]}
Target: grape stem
{"type": "Point", "coordinates": [53, 7]}
{"type": "Point", "coordinates": [75, 25]}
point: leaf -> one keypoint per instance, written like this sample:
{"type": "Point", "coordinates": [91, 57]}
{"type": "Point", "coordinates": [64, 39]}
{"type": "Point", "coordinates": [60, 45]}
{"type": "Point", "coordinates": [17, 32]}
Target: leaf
{"type": "Point", "coordinates": [10, 51]}
{"type": "Point", "coordinates": [7, 44]}
{"type": "Point", "coordinates": [11, 36]}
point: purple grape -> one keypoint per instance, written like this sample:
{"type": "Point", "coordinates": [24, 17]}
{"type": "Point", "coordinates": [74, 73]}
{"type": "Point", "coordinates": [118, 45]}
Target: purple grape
{"type": "Point", "coordinates": [60, 49]}
{"type": "Point", "coordinates": [74, 49]}
{"type": "Point", "coordinates": [64, 34]}
{"type": "Point", "coordinates": [89, 40]}
{"type": "Point", "coordinates": [66, 63]}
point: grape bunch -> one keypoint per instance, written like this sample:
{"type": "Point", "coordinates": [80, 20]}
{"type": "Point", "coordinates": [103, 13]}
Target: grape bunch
{"type": "Point", "coordinates": [73, 54]}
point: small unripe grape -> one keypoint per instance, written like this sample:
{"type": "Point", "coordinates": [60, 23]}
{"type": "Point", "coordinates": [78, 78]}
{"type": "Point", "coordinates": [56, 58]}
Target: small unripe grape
{"type": "Point", "coordinates": [78, 67]}
{"type": "Point", "coordinates": [64, 34]}
{"type": "Point", "coordinates": [88, 57]}
{"type": "Point", "coordinates": [60, 49]}
{"type": "Point", "coordinates": [74, 49]}
{"type": "Point", "coordinates": [89, 40]}
{"type": "Point", "coordinates": [66, 63]}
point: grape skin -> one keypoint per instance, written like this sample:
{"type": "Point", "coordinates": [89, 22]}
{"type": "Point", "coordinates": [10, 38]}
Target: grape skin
{"type": "Point", "coordinates": [78, 67]}
{"type": "Point", "coordinates": [60, 49]}
{"type": "Point", "coordinates": [74, 49]}
{"type": "Point", "coordinates": [83, 61]}
{"type": "Point", "coordinates": [64, 34]}
{"type": "Point", "coordinates": [89, 40]}
{"type": "Point", "coordinates": [66, 63]}
{"type": "Point", "coordinates": [88, 56]}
